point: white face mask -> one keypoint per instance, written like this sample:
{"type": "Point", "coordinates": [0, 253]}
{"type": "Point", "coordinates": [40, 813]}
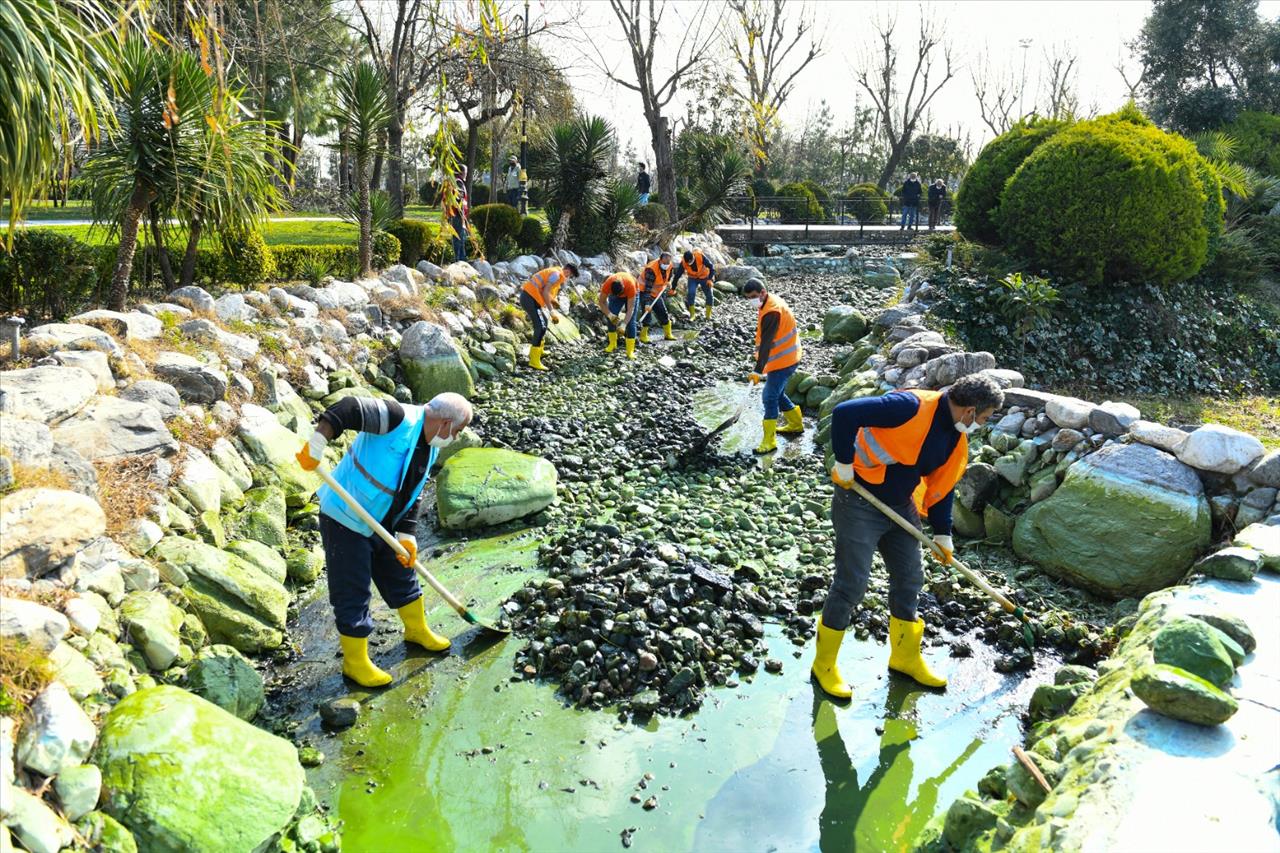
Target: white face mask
{"type": "Point", "coordinates": [666, 266]}
{"type": "Point", "coordinates": [967, 429]}
{"type": "Point", "coordinates": [440, 441]}
{"type": "Point", "coordinates": [757, 301]}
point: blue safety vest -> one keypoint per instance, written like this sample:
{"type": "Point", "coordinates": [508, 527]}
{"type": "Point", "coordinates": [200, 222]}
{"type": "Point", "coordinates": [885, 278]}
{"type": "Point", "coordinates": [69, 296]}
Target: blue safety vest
{"type": "Point", "coordinates": [373, 470]}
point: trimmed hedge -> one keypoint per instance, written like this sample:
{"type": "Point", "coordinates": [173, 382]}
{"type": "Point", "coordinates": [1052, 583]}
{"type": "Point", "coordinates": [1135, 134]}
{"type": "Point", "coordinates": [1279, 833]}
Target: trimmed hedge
{"type": "Point", "coordinates": [821, 193]}
{"type": "Point", "coordinates": [246, 260]}
{"type": "Point", "coordinates": [533, 235]}
{"type": "Point", "coordinates": [797, 204]}
{"type": "Point", "coordinates": [1113, 199]}
{"type": "Point", "coordinates": [496, 224]}
{"type": "Point", "coordinates": [979, 193]}
{"type": "Point", "coordinates": [870, 206]}
{"type": "Point", "coordinates": [414, 236]}
{"type": "Point", "coordinates": [48, 274]}
{"type": "Point", "coordinates": [480, 194]}
{"type": "Point", "coordinates": [652, 215]}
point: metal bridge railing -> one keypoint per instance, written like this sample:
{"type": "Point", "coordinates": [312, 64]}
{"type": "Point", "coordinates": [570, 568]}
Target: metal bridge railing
{"type": "Point", "coordinates": [861, 212]}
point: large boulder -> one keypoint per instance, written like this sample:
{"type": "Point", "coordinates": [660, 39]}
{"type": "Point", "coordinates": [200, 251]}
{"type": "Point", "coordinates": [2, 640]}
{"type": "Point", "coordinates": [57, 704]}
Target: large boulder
{"type": "Point", "coordinates": [93, 362]}
{"type": "Point", "coordinates": [183, 774]}
{"type": "Point", "coordinates": [40, 529]}
{"type": "Point", "coordinates": [738, 274]}
{"type": "Point", "coordinates": [482, 485]}
{"type": "Point", "coordinates": [564, 331]}
{"type": "Point", "coordinates": [195, 298]}
{"type": "Point", "coordinates": [946, 369]}
{"type": "Point", "coordinates": [274, 447]}
{"type": "Point", "coordinates": [199, 480]}
{"type": "Point", "coordinates": [234, 308]}
{"type": "Point", "coordinates": [160, 396]}
{"type": "Point", "coordinates": [263, 519]}
{"type": "Point", "coordinates": [43, 340]}
{"type": "Point", "coordinates": [239, 604]}
{"type": "Point", "coordinates": [110, 428]}
{"type": "Point", "coordinates": [226, 678]}
{"type": "Point", "coordinates": [48, 393]}
{"type": "Point", "coordinates": [433, 362]}
{"type": "Point", "coordinates": [207, 332]}
{"type": "Point", "coordinates": [1182, 695]}
{"type": "Point", "coordinates": [1126, 521]}
{"type": "Point", "coordinates": [32, 624]}
{"type": "Point", "coordinates": [127, 326]}
{"type": "Point", "coordinates": [843, 324]}
{"type": "Point", "coordinates": [1195, 646]}
{"type": "Point", "coordinates": [1265, 539]}
{"type": "Point", "coordinates": [1221, 449]}
{"type": "Point", "coordinates": [195, 381]}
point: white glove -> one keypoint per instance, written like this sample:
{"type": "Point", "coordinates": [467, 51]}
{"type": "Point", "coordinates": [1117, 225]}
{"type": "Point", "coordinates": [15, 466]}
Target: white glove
{"type": "Point", "coordinates": [943, 548]}
{"type": "Point", "coordinates": [842, 474]}
{"type": "Point", "coordinates": [316, 444]}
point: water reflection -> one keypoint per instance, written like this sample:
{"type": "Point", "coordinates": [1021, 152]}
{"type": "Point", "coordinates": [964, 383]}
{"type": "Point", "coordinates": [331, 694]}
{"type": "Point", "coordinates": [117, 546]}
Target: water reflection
{"type": "Point", "coordinates": [884, 812]}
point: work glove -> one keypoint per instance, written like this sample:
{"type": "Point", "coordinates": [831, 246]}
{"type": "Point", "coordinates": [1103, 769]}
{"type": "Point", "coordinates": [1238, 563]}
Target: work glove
{"type": "Point", "coordinates": [842, 474]}
{"type": "Point", "coordinates": [555, 318]}
{"type": "Point", "coordinates": [942, 549]}
{"type": "Point", "coordinates": [313, 451]}
{"type": "Point", "coordinates": [755, 378]}
{"type": "Point", "coordinates": [613, 318]}
{"type": "Point", "coordinates": [410, 545]}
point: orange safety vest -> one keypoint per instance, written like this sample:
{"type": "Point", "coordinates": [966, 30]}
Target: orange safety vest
{"type": "Point", "coordinates": [698, 270]}
{"type": "Point", "coordinates": [875, 448]}
{"type": "Point", "coordinates": [660, 278]}
{"type": "Point", "coordinates": [533, 286]}
{"type": "Point", "coordinates": [786, 344]}
{"type": "Point", "coordinates": [629, 288]}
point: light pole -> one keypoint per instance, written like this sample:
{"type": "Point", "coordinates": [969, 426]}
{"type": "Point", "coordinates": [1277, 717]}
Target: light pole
{"type": "Point", "coordinates": [524, 123]}
{"type": "Point", "coordinates": [1023, 43]}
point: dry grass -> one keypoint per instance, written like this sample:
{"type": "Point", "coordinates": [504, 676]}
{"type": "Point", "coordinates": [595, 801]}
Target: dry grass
{"type": "Point", "coordinates": [126, 490]}
{"type": "Point", "coordinates": [198, 433]}
{"type": "Point", "coordinates": [24, 672]}
{"type": "Point", "coordinates": [28, 477]}
{"type": "Point", "coordinates": [1256, 415]}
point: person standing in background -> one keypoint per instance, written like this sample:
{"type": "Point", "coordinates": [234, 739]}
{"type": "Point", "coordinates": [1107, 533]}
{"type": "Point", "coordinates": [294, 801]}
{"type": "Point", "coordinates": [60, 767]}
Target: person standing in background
{"type": "Point", "coordinates": [459, 213]}
{"type": "Point", "coordinates": [513, 181]}
{"type": "Point", "coordinates": [937, 192]}
{"type": "Point", "coordinates": [643, 184]}
{"type": "Point", "coordinates": [910, 192]}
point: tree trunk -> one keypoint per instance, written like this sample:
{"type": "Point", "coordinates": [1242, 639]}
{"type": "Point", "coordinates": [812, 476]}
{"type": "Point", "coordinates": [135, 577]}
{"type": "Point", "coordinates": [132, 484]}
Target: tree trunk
{"type": "Point", "coordinates": [395, 166]}
{"type": "Point", "coordinates": [891, 165]}
{"type": "Point", "coordinates": [162, 251]}
{"type": "Point", "coordinates": [473, 143]}
{"type": "Point", "coordinates": [291, 133]}
{"type": "Point", "coordinates": [128, 245]}
{"type": "Point", "coordinates": [366, 226]}
{"type": "Point", "coordinates": [561, 235]}
{"type": "Point", "coordinates": [188, 273]}
{"type": "Point", "coordinates": [493, 163]}
{"type": "Point", "coordinates": [665, 166]}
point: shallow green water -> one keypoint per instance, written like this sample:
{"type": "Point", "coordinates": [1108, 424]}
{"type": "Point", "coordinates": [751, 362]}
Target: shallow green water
{"type": "Point", "coordinates": [714, 405]}
{"type": "Point", "coordinates": [765, 766]}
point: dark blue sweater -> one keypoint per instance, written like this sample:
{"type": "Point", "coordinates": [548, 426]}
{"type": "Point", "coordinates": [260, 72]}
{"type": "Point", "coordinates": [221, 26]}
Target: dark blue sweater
{"type": "Point", "coordinates": [891, 410]}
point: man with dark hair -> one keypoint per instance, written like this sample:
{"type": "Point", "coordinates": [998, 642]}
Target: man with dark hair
{"type": "Point", "coordinates": [777, 357]}
{"type": "Point", "coordinates": [618, 304]}
{"type": "Point", "coordinates": [909, 449]}
{"type": "Point", "coordinates": [642, 185]}
{"type": "Point", "coordinates": [701, 274]}
{"type": "Point", "coordinates": [538, 299]}
{"type": "Point", "coordinates": [655, 278]}
{"type": "Point", "coordinates": [910, 191]}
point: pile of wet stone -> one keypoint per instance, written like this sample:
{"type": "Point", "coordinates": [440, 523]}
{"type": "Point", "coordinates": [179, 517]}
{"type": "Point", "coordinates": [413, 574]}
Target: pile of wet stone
{"type": "Point", "coordinates": [645, 626]}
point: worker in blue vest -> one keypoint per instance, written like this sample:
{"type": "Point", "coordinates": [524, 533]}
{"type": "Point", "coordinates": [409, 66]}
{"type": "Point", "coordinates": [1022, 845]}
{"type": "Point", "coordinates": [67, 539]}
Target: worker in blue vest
{"type": "Point", "coordinates": [385, 470]}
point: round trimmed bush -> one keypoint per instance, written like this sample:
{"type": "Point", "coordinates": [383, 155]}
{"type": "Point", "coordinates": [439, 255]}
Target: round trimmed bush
{"type": "Point", "coordinates": [868, 205]}
{"type": "Point", "coordinates": [246, 259]}
{"type": "Point", "coordinates": [821, 194]}
{"type": "Point", "coordinates": [796, 203]}
{"type": "Point", "coordinates": [479, 194]}
{"type": "Point", "coordinates": [533, 235]}
{"type": "Point", "coordinates": [763, 188]}
{"type": "Point", "coordinates": [496, 224]}
{"type": "Point", "coordinates": [652, 215]}
{"type": "Point", "coordinates": [1113, 199]}
{"type": "Point", "coordinates": [979, 193]}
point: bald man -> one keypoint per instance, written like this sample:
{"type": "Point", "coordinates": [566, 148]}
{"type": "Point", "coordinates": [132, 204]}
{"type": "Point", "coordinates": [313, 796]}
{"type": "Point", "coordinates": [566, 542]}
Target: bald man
{"type": "Point", "coordinates": [385, 470]}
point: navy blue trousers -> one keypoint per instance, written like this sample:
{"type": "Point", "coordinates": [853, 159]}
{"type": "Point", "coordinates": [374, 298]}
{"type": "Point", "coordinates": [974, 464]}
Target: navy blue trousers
{"type": "Point", "coordinates": [352, 561]}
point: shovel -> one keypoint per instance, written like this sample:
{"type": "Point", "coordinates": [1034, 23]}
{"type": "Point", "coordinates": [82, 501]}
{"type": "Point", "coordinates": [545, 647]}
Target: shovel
{"type": "Point", "coordinates": [702, 442]}
{"type": "Point", "coordinates": [1028, 637]}
{"type": "Point", "coordinates": [458, 606]}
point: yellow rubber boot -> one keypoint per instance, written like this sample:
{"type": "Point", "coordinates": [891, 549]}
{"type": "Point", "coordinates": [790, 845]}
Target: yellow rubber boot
{"type": "Point", "coordinates": [613, 342]}
{"type": "Point", "coordinates": [792, 422]}
{"type": "Point", "coordinates": [708, 312]}
{"type": "Point", "coordinates": [356, 664]}
{"type": "Point", "coordinates": [535, 358]}
{"type": "Point", "coordinates": [824, 669]}
{"type": "Point", "coordinates": [416, 630]}
{"type": "Point", "coordinates": [666, 333]}
{"type": "Point", "coordinates": [768, 444]}
{"type": "Point", "coordinates": [631, 347]}
{"type": "Point", "coordinates": [904, 652]}
{"type": "Point", "coordinates": [644, 334]}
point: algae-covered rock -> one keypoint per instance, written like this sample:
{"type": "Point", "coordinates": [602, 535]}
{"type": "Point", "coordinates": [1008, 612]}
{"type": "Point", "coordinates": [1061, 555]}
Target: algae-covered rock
{"type": "Point", "coordinates": [1177, 693]}
{"type": "Point", "coordinates": [225, 677]}
{"type": "Point", "coordinates": [266, 560]}
{"type": "Point", "coordinates": [998, 524]}
{"type": "Point", "coordinates": [304, 564]}
{"type": "Point", "coordinates": [238, 603]}
{"type": "Point", "coordinates": [152, 623]}
{"type": "Point", "coordinates": [843, 324]}
{"type": "Point", "coordinates": [273, 447]}
{"type": "Point", "coordinates": [482, 485]}
{"type": "Point", "coordinates": [1263, 538]}
{"type": "Point", "coordinates": [1231, 564]}
{"type": "Point", "coordinates": [1194, 645]}
{"type": "Point", "coordinates": [966, 819]}
{"type": "Point", "coordinates": [183, 774]}
{"type": "Point", "coordinates": [264, 516]}
{"type": "Point", "coordinates": [1053, 700]}
{"type": "Point", "coordinates": [1127, 520]}
{"type": "Point", "coordinates": [1024, 786]}
{"type": "Point", "coordinates": [104, 832]}
{"type": "Point", "coordinates": [433, 362]}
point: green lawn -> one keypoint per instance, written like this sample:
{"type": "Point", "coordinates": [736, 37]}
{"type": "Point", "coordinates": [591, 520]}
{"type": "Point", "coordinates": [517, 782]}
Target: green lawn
{"type": "Point", "coordinates": [274, 233]}
{"type": "Point", "coordinates": [42, 211]}
{"type": "Point", "coordinates": [1259, 416]}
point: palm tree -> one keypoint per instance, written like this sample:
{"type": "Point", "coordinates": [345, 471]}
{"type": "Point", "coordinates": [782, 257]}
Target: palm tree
{"type": "Point", "coordinates": [362, 107]}
{"type": "Point", "coordinates": [156, 152]}
{"type": "Point", "coordinates": [56, 61]}
{"type": "Point", "coordinates": [574, 168]}
{"type": "Point", "coordinates": [719, 172]}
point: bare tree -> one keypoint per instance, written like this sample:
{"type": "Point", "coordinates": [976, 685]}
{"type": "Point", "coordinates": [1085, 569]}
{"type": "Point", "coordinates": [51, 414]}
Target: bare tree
{"type": "Point", "coordinates": [997, 94]}
{"type": "Point", "coordinates": [641, 21]}
{"type": "Point", "coordinates": [1061, 98]}
{"type": "Point", "coordinates": [900, 111]}
{"type": "Point", "coordinates": [1139, 77]}
{"type": "Point", "coordinates": [763, 49]}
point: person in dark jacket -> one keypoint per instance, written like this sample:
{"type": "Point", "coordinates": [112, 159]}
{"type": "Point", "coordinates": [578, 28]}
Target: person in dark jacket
{"type": "Point", "coordinates": [911, 191]}
{"type": "Point", "coordinates": [937, 192]}
{"type": "Point", "coordinates": [386, 469]}
{"type": "Point", "coordinates": [642, 185]}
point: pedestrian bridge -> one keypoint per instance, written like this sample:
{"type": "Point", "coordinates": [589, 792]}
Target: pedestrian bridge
{"type": "Point", "coordinates": [829, 222]}
{"type": "Point", "coordinates": [822, 234]}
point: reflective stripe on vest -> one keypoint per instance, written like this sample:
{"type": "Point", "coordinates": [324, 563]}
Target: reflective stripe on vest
{"type": "Point", "coordinates": [875, 448]}
{"type": "Point", "coordinates": [373, 470]}
{"type": "Point", "coordinates": [785, 350]}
